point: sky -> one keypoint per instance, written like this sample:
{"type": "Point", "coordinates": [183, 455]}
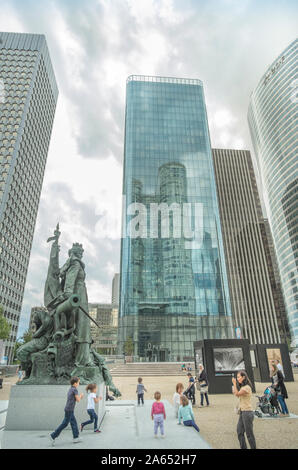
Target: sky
{"type": "Point", "coordinates": [94, 46]}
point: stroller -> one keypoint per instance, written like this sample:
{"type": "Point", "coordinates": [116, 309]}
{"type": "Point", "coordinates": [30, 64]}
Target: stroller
{"type": "Point", "coordinates": [268, 404]}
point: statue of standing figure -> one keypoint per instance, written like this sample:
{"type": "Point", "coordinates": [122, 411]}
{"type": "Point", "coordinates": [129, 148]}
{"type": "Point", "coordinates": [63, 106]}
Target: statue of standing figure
{"type": "Point", "coordinates": [73, 281]}
{"type": "Point", "coordinates": [61, 346]}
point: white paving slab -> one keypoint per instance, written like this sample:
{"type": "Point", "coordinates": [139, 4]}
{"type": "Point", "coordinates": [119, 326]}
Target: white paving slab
{"type": "Point", "coordinates": [3, 405]}
{"type": "Point", "coordinates": [3, 412]}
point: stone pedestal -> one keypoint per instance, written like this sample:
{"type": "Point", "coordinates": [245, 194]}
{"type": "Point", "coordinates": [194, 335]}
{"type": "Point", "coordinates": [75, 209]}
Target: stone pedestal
{"type": "Point", "coordinates": [41, 407]}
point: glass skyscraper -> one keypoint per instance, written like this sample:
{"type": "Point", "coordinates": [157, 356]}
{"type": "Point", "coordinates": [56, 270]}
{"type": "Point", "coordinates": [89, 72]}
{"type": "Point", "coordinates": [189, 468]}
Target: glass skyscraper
{"type": "Point", "coordinates": [272, 119]}
{"type": "Point", "coordinates": [173, 288]}
{"type": "Point", "coordinates": [27, 107]}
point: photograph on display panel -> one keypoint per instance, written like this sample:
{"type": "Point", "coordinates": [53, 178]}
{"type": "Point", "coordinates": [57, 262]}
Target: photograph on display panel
{"type": "Point", "coordinates": [253, 358]}
{"type": "Point", "coordinates": [228, 359]}
{"type": "Point", "coordinates": [198, 357]}
{"type": "Point", "coordinates": [273, 354]}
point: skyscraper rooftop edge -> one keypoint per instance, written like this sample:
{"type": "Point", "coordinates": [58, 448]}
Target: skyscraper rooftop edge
{"type": "Point", "coordinates": [228, 148]}
{"type": "Point", "coordinates": [159, 79]}
{"type": "Point", "coordinates": [25, 40]}
{"type": "Point", "coordinates": [260, 82]}
{"type": "Point", "coordinates": [30, 42]}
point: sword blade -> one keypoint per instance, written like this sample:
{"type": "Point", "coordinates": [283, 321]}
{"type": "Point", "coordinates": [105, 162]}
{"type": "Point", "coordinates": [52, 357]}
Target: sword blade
{"type": "Point", "coordinates": [89, 316]}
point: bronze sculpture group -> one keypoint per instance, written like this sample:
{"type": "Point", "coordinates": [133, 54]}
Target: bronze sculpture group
{"type": "Point", "coordinates": [61, 346]}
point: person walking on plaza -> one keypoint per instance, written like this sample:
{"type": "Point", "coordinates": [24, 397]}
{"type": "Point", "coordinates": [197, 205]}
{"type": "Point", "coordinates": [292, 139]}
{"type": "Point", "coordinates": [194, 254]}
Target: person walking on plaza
{"type": "Point", "coordinates": [73, 397]}
{"type": "Point", "coordinates": [177, 396]}
{"type": "Point", "coordinates": [20, 374]}
{"type": "Point", "coordinates": [190, 391]}
{"type": "Point", "coordinates": [203, 385]}
{"type": "Point", "coordinates": [91, 390]}
{"type": "Point", "coordinates": [185, 413]}
{"type": "Point", "coordinates": [140, 391]}
{"type": "Point", "coordinates": [158, 414]}
{"type": "Point", "coordinates": [242, 389]}
{"type": "Point", "coordinates": [277, 379]}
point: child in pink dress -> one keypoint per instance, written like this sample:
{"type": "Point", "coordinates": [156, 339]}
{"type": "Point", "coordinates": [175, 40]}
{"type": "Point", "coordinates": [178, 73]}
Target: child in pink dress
{"type": "Point", "coordinates": [158, 414]}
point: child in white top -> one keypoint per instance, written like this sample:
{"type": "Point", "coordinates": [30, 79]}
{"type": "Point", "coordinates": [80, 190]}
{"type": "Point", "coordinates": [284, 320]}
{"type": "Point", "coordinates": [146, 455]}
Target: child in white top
{"type": "Point", "coordinates": [92, 399]}
{"type": "Point", "coordinates": [176, 397]}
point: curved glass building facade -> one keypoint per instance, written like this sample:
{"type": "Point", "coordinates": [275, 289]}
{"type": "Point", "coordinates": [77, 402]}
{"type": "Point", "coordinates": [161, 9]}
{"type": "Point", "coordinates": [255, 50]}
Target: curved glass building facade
{"type": "Point", "coordinates": [173, 287]}
{"type": "Point", "coordinates": [272, 118]}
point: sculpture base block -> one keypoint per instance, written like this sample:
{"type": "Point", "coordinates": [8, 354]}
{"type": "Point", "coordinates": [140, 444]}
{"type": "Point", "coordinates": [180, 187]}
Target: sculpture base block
{"type": "Point", "coordinates": [41, 407]}
{"type": "Point", "coordinates": [87, 374]}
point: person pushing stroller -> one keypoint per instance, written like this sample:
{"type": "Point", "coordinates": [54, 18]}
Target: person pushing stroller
{"type": "Point", "coordinates": [268, 403]}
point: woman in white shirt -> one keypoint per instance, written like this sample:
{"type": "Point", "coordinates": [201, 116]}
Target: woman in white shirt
{"type": "Point", "coordinates": [92, 399]}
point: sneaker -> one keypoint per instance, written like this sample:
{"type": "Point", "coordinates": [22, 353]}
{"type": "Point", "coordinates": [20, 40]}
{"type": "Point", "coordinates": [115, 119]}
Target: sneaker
{"type": "Point", "coordinates": [155, 436]}
{"type": "Point", "coordinates": [163, 436]}
{"type": "Point", "coordinates": [97, 430]}
{"type": "Point", "coordinates": [52, 441]}
{"type": "Point", "coordinates": [76, 440]}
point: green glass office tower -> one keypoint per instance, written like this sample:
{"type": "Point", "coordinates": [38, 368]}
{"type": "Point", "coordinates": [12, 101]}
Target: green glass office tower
{"type": "Point", "coordinates": [28, 96]}
{"type": "Point", "coordinates": [172, 291]}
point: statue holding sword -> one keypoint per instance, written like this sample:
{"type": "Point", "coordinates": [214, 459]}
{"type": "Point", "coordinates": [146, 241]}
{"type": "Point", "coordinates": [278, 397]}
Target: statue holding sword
{"type": "Point", "coordinates": [68, 351]}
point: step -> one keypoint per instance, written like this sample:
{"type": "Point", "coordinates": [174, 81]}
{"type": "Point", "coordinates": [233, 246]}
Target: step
{"type": "Point", "coordinates": [148, 369]}
{"type": "Point", "coordinates": [121, 374]}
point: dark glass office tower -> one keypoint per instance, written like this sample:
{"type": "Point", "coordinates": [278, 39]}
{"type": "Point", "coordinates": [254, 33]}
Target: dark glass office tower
{"type": "Point", "coordinates": [173, 287]}
{"type": "Point", "coordinates": [28, 96]}
{"type": "Point", "coordinates": [256, 298]}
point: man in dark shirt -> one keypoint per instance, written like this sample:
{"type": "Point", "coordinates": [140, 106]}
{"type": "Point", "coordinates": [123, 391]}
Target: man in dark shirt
{"type": "Point", "coordinates": [69, 417]}
{"type": "Point", "coordinates": [190, 391]}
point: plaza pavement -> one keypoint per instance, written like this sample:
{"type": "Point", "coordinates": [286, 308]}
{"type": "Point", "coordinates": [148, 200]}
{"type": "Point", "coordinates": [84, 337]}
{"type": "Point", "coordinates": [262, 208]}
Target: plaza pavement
{"type": "Point", "coordinates": [217, 423]}
{"type": "Point", "coordinates": [125, 426]}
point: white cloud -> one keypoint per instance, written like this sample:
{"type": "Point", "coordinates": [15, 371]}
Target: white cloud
{"type": "Point", "coordinates": [223, 118]}
{"type": "Point", "coordinates": [99, 291]}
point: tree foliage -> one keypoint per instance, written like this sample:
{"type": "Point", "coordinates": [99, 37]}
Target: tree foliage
{"type": "Point", "coordinates": [25, 338]}
{"type": "Point", "coordinates": [128, 346]}
{"type": "Point", "coordinates": [5, 327]}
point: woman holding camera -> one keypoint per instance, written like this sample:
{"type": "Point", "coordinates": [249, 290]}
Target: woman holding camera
{"type": "Point", "coordinates": [242, 389]}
